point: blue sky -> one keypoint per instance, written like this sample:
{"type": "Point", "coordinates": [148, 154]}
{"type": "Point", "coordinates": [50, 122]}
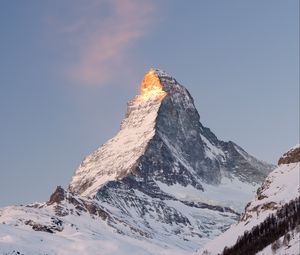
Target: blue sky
{"type": "Point", "coordinates": [69, 67]}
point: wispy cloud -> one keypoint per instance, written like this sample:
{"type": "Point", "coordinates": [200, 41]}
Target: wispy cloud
{"type": "Point", "coordinates": [102, 34]}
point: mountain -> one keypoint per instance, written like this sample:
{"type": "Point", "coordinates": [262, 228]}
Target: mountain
{"type": "Point", "coordinates": [271, 222]}
{"type": "Point", "coordinates": [164, 183]}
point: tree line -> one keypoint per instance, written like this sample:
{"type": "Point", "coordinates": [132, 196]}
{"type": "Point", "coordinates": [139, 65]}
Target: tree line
{"type": "Point", "coordinates": [269, 231]}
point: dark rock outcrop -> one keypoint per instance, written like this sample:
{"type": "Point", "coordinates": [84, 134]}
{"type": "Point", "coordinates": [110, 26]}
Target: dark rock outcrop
{"type": "Point", "coordinates": [292, 156]}
{"type": "Point", "coordinates": [57, 196]}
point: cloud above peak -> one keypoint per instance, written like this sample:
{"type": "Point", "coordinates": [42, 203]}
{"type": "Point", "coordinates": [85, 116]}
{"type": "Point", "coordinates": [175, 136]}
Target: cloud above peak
{"type": "Point", "coordinates": [102, 33]}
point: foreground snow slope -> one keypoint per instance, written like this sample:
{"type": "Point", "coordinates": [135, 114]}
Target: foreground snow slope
{"type": "Point", "coordinates": [76, 234]}
{"type": "Point", "coordinates": [280, 187]}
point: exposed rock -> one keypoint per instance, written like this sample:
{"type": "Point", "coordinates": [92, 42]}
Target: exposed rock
{"type": "Point", "coordinates": [292, 156]}
{"type": "Point", "coordinates": [56, 225]}
{"type": "Point", "coordinates": [57, 196]}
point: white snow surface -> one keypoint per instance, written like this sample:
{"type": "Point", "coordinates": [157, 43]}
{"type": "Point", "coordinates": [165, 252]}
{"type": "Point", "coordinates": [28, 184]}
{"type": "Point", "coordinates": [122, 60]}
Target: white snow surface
{"type": "Point", "coordinates": [290, 248]}
{"type": "Point", "coordinates": [82, 235]}
{"type": "Point", "coordinates": [212, 151]}
{"type": "Point", "coordinates": [117, 157]}
{"type": "Point", "coordinates": [281, 186]}
{"type": "Point", "coordinates": [231, 192]}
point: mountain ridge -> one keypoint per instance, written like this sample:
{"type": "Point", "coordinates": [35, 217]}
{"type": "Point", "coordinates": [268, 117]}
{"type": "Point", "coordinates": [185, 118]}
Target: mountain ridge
{"type": "Point", "coordinates": [156, 119]}
{"type": "Point", "coordinates": [164, 179]}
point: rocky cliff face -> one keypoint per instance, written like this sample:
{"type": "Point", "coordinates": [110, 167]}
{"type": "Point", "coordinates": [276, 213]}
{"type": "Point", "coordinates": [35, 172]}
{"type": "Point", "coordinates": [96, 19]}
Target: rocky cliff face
{"type": "Point", "coordinates": [164, 179]}
{"type": "Point", "coordinates": [292, 156]}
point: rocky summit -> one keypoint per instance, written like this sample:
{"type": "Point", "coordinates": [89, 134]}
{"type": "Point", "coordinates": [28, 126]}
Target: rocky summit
{"type": "Point", "coordinates": [164, 183]}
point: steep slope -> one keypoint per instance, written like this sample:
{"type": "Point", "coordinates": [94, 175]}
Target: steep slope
{"type": "Point", "coordinates": [274, 215]}
{"type": "Point", "coordinates": [161, 139]}
{"type": "Point", "coordinates": [164, 179]}
{"type": "Point", "coordinates": [118, 157]}
{"type": "Point", "coordinates": [74, 226]}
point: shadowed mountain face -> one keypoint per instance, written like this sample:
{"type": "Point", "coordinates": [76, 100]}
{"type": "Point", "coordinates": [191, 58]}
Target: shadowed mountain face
{"type": "Point", "coordinates": [164, 178]}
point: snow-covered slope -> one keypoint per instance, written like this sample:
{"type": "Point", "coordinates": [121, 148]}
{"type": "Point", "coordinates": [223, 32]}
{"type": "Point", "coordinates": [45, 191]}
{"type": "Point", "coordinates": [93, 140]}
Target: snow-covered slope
{"type": "Point", "coordinates": [39, 229]}
{"type": "Point", "coordinates": [280, 188]}
{"type": "Point", "coordinates": [289, 244]}
{"type": "Point", "coordinates": [164, 179]}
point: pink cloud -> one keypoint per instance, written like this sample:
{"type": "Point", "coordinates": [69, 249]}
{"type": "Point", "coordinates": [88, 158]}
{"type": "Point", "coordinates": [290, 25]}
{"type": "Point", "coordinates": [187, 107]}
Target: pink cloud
{"type": "Point", "coordinates": [102, 42]}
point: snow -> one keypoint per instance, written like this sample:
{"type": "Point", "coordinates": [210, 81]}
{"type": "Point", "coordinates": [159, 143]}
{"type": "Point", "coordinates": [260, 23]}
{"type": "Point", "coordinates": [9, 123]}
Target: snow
{"type": "Point", "coordinates": [281, 186]}
{"type": "Point", "coordinates": [86, 234]}
{"type": "Point", "coordinates": [230, 193]}
{"type": "Point", "coordinates": [81, 235]}
{"type": "Point", "coordinates": [177, 153]}
{"type": "Point", "coordinates": [291, 248]}
{"type": "Point", "coordinates": [137, 223]}
{"type": "Point", "coordinates": [180, 234]}
{"type": "Point", "coordinates": [212, 151]}
{"type": "Point", "coordinates": [36, 243]}
{"type": "Point", "coordinates": [253, 161]}
{"type": "Point", "coordinates": [117, 157]}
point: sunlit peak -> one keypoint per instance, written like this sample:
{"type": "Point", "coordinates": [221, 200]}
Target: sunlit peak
{"type": "Point", "coordinates": [151, 87]}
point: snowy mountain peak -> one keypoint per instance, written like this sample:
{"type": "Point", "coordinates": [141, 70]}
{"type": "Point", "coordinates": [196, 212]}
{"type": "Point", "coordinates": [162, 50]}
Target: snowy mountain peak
{"type": "Point", "coordinates": [151, 87]}
{"type": "Point", "coordinates": [161, 73]}
{"type": "Point", "coordinates": [163, 182]}
{"type": "Point", "coordinates": [161, 137]}
{"type": "Point", "coordinates": [119, 157]}
{"type": "Point", "coordinates": [157, 84]}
